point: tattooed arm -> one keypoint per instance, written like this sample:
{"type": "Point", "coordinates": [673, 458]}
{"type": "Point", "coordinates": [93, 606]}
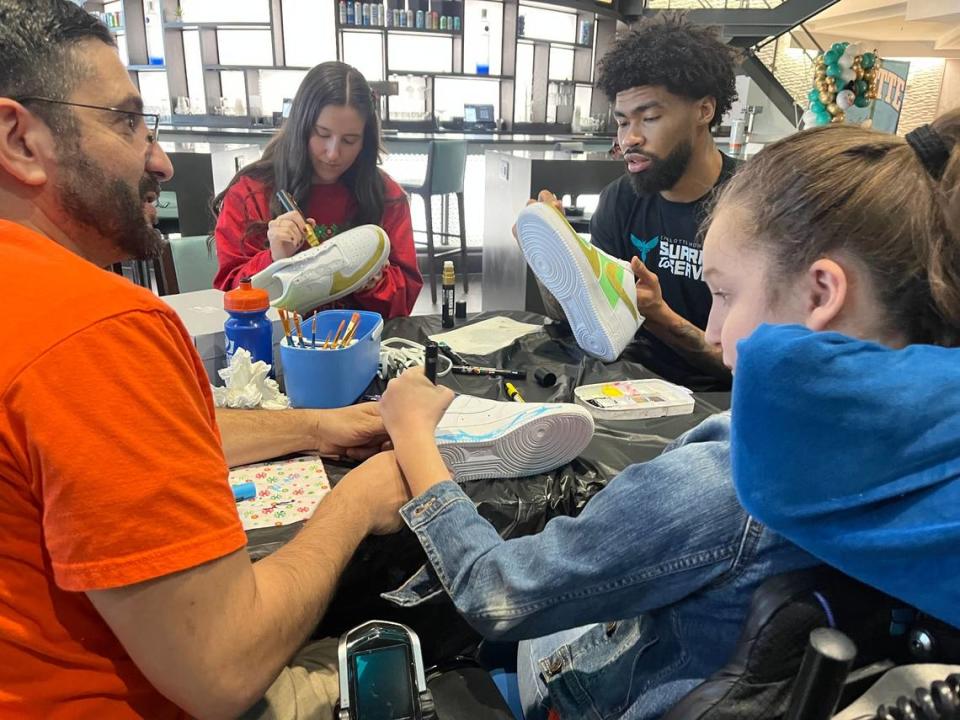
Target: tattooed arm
{"type": "Point", "coordinates": [679, 333]}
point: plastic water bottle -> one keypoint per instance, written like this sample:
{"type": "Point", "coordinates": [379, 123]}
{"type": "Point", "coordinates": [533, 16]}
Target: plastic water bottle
{"type": "Point", "coordinates": [248, 326]}
{"type": "Point", "coordinates": [154, 33]}
{"type": "Point", "coordinates": [483, 57]}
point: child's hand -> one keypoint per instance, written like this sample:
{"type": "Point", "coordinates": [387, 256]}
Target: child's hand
{"type": "Point", "coordinates": [412, 405]}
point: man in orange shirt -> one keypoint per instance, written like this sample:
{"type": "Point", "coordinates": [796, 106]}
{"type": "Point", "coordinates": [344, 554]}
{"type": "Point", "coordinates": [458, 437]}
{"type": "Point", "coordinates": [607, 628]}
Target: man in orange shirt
{"type": "Point", "coordinates": [125, 589]}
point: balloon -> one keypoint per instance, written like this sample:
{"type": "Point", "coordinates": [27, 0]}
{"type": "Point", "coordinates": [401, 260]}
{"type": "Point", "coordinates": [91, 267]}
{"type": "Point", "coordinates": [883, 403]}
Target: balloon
{"type": "Point", "coordinates": [809, 118]}
{"type": "Point", "coordinates": [845, 98]}
{"type": "Point", "coordinates": [860, 87]}
{"type": "Point", "coordinates": [833, 109]}
{"type": "Point", "coordinates": [839, 117]}
{"type": "Point", "coordinates": [861, 101]}
{"type": "Point", "coordinates": [823, 118]}
{"type": "Point", "coordinates": [813, 95]}
{"type": "Point", "coordinates": [817, 106]}
{"type": "Point", "coordinates": [834, 70]}
{"type": "Point", "coordinates": [826, 98]}
{"type": "Point", "coordinates": [831, 57]}
{"type": "Point", "coordinates": [869, 75]}
{"type": "Point", "coordinates": [848, 75]}
{"type": "Point", "coordinates": [867, 60]}
{"type": "Point", "coordinates": [845, 60]}
{"type": "Point", "coordinates": [838, 48]}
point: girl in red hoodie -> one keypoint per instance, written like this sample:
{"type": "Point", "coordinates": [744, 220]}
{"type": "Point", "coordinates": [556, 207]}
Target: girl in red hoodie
{"type": "Point", "coordinates": [327, 157]}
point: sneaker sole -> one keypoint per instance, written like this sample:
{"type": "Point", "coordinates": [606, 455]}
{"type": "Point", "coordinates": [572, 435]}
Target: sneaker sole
{"type": "Point", "coordinates": [566, 278]}
{"type": "Point", "coordinates": [536, 445]}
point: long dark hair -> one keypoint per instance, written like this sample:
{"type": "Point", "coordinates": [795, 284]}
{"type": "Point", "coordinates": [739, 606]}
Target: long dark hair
{"type": "Point", "coordinates": [286, 159]}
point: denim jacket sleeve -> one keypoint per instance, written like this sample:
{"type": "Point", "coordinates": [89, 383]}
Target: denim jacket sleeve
{"type": "Point", "coordinates": [658, 532]}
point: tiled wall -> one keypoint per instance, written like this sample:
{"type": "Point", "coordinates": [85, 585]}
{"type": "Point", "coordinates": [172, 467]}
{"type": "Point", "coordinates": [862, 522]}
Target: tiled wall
{"type": "Point", "coordinates": [923, 93]}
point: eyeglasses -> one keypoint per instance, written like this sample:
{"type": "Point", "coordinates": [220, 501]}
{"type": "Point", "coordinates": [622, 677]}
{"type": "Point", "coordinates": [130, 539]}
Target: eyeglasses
{"type": "Point", "coordinates": [150, 121]}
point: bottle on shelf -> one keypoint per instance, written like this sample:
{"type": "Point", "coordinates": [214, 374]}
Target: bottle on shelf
{"type": "Point", "coordinates": [366, 14]}
{"type": "Point", "coordinates": [358, 13]}
{"type": "Point", "coordinates": [409, 18]}
{"type": "Point", "coordinates": [585, 27]}
{"type": "Point", "coordinates": [349, 13]}
{"type": "Point", "coordinates": [483, 57]}
{"type": "Point", "coordinates": [342, 12]}
{"type": "Point", "coordinates": [154, 32]}
{"type": "Point", "coordinates": [456, 23]}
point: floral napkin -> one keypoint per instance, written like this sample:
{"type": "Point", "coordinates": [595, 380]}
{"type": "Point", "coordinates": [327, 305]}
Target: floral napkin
{"type": "Point", "coordinates": [288, 491]}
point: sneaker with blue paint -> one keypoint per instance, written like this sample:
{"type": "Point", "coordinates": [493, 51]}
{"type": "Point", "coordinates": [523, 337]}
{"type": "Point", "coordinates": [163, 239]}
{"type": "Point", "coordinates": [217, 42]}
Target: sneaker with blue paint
{"type": "Point", "coordinates": [481, 438]}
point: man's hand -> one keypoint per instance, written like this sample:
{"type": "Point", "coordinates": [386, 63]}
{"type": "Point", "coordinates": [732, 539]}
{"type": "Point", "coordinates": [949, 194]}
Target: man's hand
{"type": "Point", "coordinates": [679, 333]}
{"type": "Point", "coordinates": [355, 431]}
{"type": "Point", "coordinates": [649, 295]}
{"type": "Point", "coordinates": [547, 198]}
{"type": "Point", "coordinates": [412, 405]}
{"type": "Point", "coordinates": [379, 490]}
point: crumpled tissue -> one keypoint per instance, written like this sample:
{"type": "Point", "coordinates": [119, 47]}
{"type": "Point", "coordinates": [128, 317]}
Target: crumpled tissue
{"type": "Point", "coordinates": [247, 385]}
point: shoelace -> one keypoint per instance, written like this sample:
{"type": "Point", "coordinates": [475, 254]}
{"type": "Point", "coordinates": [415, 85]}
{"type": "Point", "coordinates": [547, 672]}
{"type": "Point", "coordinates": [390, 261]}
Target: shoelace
{"type": "Point", "coordinates": [398, 354]}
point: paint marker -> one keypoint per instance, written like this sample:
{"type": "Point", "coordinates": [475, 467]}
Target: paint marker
{"type": "Point", "coordinates": [430, 361]}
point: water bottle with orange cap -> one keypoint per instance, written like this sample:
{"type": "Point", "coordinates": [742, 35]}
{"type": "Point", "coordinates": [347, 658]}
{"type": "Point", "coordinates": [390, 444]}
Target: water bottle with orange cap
{"type": "Point", "coordinates": [248, 326]}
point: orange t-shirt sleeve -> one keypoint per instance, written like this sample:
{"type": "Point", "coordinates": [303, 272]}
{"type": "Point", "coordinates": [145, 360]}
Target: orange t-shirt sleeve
{"type": "Point", "coordinates": [124, 457]}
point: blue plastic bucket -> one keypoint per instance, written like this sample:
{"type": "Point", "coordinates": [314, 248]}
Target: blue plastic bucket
{"type": "Point", "coordinates": [316, 378]}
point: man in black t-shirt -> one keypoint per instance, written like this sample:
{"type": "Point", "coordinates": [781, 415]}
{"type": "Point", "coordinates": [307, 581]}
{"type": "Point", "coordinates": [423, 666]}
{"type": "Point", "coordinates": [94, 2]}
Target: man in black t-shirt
{"type": "Point", "coordinates": [670, 82]}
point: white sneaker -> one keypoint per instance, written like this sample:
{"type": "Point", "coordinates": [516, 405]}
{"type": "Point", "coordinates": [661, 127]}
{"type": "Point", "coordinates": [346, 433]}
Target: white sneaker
{"type": "Point", "coordinates": [596, 290]}
{"type": "Point", "coordinates": [481, 438]}
{"type": "Point", "coordinates": [320, 275]}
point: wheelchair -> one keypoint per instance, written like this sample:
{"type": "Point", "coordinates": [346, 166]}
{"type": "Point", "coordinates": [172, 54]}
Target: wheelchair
{"type": "Point", "coordinates": [813, 642]}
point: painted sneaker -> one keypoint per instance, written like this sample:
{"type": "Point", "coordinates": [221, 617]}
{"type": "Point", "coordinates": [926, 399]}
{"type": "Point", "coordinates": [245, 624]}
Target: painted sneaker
{"type": "Point", "coordinates": [481, 438]}
{"type": "Point", "coordinates": [320, 275]}
{"type": "Point", "coordinates": [595, 290]}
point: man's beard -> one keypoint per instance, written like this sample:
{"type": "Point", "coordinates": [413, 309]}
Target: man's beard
{"type": "Point", "coordinates": [109, 207]}
{"type": "Point", "coordinates": [662, 174]}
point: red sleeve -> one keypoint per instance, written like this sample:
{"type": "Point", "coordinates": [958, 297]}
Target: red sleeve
{"type": "Point", "coordinates": [397, 293]}
{"type": "Point", "coordinates": [241, 254]}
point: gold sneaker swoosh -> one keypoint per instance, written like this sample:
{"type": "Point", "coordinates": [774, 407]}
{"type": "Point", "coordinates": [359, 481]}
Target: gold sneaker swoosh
{"type": "Point", "coordinates": [610, 271]}
{"type": "Point", "coordinates": [342, 283]}
{"type": "Point", "coordinates": [588, 249]}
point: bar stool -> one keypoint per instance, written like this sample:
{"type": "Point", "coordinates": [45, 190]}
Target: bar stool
{"type": "Point", "coordinates": [446, 164]}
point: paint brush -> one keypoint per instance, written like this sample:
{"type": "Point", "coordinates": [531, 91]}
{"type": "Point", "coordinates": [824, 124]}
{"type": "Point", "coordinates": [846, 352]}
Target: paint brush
{"type": "Point", "coordinates": [313, 331]}
{"type": "Point", "coordinates": [336, 337]}
{"type": "Point", "coordinates": [286, 326]}
{"type": "Point", "coordinates": [296, 321]}
{"type": "Point", "coordinates": [351, 329]}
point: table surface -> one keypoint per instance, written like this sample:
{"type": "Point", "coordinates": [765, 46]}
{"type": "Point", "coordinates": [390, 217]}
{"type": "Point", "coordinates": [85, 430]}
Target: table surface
{"type": "Point", "coordinates": [515, 506]}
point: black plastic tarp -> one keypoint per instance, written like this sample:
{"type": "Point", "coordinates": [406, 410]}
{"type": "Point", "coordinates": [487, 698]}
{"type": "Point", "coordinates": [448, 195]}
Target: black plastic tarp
{"type": "Point", "coordinates": [517, 506]}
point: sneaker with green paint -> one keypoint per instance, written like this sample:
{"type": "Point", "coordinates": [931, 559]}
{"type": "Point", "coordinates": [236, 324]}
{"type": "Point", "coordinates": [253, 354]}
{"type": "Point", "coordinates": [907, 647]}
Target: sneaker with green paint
{"type": "Point", "coordinates": [595, 290]}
